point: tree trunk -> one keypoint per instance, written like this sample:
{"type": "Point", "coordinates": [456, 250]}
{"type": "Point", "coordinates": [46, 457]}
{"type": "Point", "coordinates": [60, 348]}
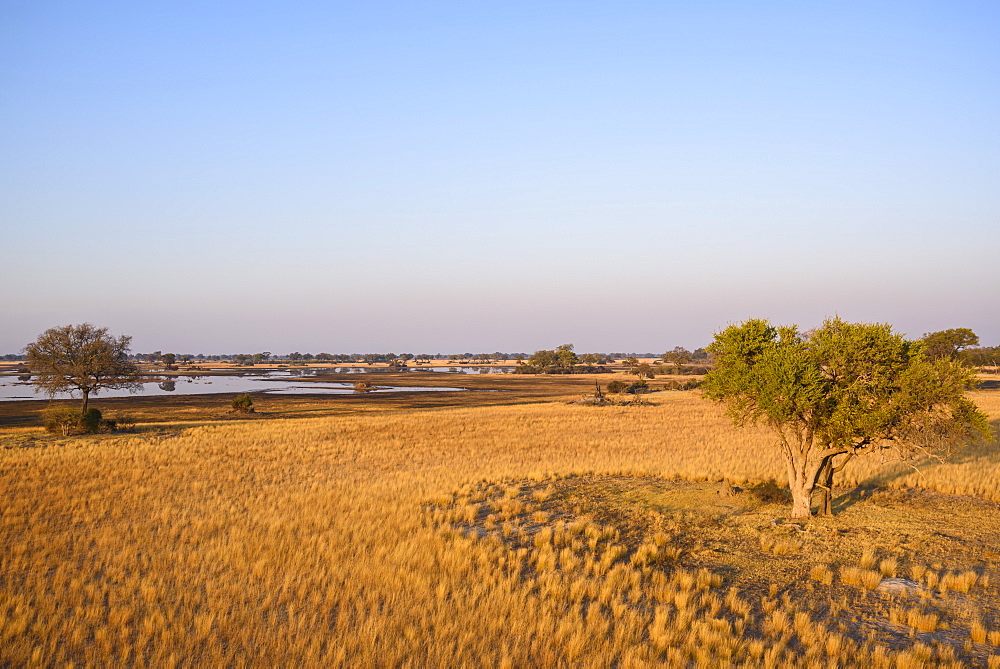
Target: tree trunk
{"type": "Point", "coordinates": [824, 481]}
{"type": "Point", "coordinates": [801, 499]}
{"type": "Point", "coordinates": [86, 401]}
{"type": "Point", "coordinates": [826, 490]}
{"type": "Point", "coordinates": [801, 486]}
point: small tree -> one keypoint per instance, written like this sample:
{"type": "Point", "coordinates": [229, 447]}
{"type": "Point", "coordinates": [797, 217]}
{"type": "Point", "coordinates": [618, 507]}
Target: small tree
{"type": "Point", "coordinates": [81, 358]}
{"type": "Point", "coordinates": [243, 403]}
{"type": "Point", "coordinates": [566, 359]}
{"type": "Point", "coordinates": [643, 370]}
{"type": "Point", "coordinates": [843, 390]}
{"type": "Point", "coordinates": [678, 357]}
{"type": "Point", "coordinates": [60, 418]}
{"type": "Point", "coordinates": [948, 343]}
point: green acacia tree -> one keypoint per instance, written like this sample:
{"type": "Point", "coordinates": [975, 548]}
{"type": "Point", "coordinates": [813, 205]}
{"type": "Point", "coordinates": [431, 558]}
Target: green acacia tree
{"type": "Point", "coordinates": [840, 391]}
{"type": "Point", "coordinates": [566, 359]}
{"type": "Point", "coordinates": [679, 356]}
{"type": "Point", "coordinates": [949, 343]}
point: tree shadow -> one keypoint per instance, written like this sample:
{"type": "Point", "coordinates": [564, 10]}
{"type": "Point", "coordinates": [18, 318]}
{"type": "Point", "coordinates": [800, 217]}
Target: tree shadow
{"type": "Point", "coordinates": [854, 496]}
{"type": "Point", "coordinates": [980, 451]}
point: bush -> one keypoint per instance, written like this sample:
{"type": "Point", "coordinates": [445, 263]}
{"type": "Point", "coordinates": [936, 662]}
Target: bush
{"type": "Point", "coordinates": [91, 421]}
{"type": "Point", "coordinates": [243, 403]}
{"type": "Point", "coordinates": [638, 387]}
{"type": "Point", "coordinates": [675, 384]}
{"type": "Point", "coordinates": [124, 421]}
{"type": "Point", "coordinates": [617, 386]}
{"type": "Point", "coordinates": [60, 418]}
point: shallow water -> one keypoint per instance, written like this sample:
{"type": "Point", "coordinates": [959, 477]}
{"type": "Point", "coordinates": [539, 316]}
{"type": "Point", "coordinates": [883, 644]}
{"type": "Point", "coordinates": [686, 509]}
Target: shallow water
{"type": "Point", "coordinates": [12, 390]}
{"type": "Point", "coordinates": [383, 370]}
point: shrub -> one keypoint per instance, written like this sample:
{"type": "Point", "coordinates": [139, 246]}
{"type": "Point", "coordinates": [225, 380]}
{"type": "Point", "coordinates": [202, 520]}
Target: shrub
{"type": "Point", "coordinates": [675, 384]}
{"type": "Point", "coordinates": [91, 421]}
{"type": "Point", "coordinates": [124, 421]}
{"type": "Point", "coordinates": [243, 403]}
{"type": "Point", "coordinates": [617, 386]}
{"type": "Point", "coordinates": [638, 387]}
{"type": "Point", "coordinates": [60, 418]}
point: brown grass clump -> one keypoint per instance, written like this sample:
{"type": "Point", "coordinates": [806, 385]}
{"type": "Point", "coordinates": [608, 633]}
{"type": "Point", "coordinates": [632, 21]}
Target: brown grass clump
{"type": "Point", "coordinates": [821, 573]}
{"type": "Point", "coordinates": [860, 577]}
{"type": "Point", "coordinates": [978, 632]}
{"type": "Point", "coordinates": [888, 567]}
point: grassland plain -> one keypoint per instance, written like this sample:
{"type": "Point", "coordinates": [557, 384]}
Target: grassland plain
{"type": "Point", "coordinates": [537, 534]}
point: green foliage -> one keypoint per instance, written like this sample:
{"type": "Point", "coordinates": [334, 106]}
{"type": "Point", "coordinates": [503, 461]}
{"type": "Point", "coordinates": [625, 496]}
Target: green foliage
{"type": "Point", "coordinates": [91, 421]}
{"type": "Point", "coordinates": [845, 388]}
{"type": "Point", "coordinates": [66, 420]}
{"type": "Point", "coordinates": [60, 418]}
{"type": "Point", "coordinates": [243, 403]}
{"type": "Point", "coordinates": [848, 383]}
{"type": "Point", "coordinates": [986, 356]}
{"type": "Point", "coordinates": [617, 386]}
{"type": "Point", "coordinates": [560, 361]}
{"type": "Point", "coordinates": [687, 384]}
{"type": "Point", "coordinates": [638, 388]}
{"type": "Point", "coordinates": [644, 370]}
{"type": "Point", "coordinates": [678, 356]}
{"type": "Point", "coordinates": [948, 343]}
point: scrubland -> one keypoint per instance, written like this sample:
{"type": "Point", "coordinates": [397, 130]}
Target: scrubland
{"type": "Point", "coordinates": [523, 535]}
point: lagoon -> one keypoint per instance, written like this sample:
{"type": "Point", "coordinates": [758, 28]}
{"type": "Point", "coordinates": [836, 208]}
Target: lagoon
{"type": "Point", "coordinates": [13, 389]}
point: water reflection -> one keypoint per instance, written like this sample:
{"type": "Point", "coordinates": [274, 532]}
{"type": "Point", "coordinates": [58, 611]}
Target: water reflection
{"type": "Point", "coordinates": [167, 386]}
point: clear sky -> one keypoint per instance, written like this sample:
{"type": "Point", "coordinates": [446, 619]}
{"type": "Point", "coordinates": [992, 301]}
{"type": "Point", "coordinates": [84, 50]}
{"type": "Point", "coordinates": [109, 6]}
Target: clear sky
{"type": "Point", "coordinates": [471, 176]}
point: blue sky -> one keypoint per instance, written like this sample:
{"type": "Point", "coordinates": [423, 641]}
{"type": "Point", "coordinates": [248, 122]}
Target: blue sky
{"type": "Point", "coordinates": [495, 176]}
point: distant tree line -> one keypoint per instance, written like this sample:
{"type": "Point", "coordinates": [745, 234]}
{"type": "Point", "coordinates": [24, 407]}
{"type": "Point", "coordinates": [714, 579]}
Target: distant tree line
{"type": "Point", "coordinates": [960, 344]}
{"type": "Point", "coordinates": [296, 357]}
{"type": "Point", "coordinates": [985, 356]}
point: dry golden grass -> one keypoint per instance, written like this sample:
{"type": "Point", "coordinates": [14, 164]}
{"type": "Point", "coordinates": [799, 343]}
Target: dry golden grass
{"type": "Point", "coordinates": [431, 538]}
